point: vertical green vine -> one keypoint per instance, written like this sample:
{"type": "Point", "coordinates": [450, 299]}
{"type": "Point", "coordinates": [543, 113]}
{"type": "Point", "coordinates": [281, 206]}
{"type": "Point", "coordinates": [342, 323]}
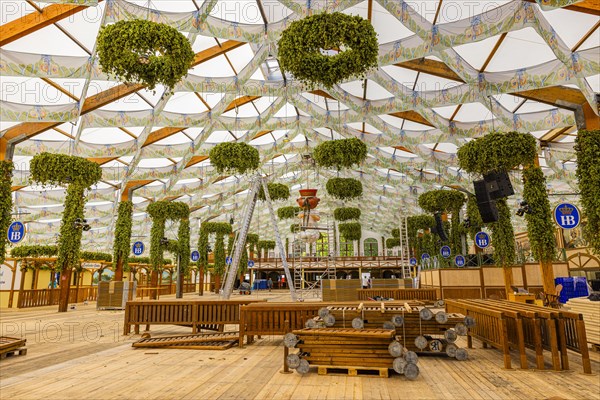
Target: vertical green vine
{"type": "Point", "coordinates": [587, 147]}
{"type": "Point", "coordinates": [539, 222]}
{"type": "Point", "coordinates": [6, 168]}
{"type": "Point", "coordinates": [503, 236]}
{"type": "Point", "coordinates": [219, 254]}
{"type": "Point", "coordinates": [122, 234]}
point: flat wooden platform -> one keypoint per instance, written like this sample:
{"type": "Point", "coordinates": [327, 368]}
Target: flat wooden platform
{"type": "Point", "coordinates": [81, 354]}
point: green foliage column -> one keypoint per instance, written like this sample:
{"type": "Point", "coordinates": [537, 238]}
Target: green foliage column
{"type": "Point", "coordinates": [219, 260]}
{"type": "Point", "coordinates": [6, 168]}
{"type": "Point", "coordinates": [203, 260]}
{"type": "Point", "coordinates": [587, 148]}
{"type": "Point", "coordinates": [122, 238]}
{"type": "Point", "coordinates": [183, 236]}
{"type": "Point", "coordinates": [77, 174]}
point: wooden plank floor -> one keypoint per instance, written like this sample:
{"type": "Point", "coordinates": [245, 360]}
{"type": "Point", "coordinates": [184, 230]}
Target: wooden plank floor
{"type": "Point", "coordinates": [81, 354]}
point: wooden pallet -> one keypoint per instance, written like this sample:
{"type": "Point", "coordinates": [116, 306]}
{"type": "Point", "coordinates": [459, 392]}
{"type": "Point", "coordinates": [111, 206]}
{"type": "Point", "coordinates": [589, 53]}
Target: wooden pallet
{"type": "Point", "coordinates": [352, 371]}
{"type": "Point", "coordinates": [10, 344]}
{"type": "Point", "coordinates": [210, 341]}
{"type": "Point", "coordinates": [15, 352]}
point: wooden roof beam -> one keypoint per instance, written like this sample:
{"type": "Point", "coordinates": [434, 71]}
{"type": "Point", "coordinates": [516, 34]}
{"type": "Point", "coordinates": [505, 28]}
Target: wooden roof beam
{"type": "Point", "coordinates": [586, 6]}
{"type": "Point", "coordinates": [34, 21]}
{"type": "Point", "coordinates": [127, 191]}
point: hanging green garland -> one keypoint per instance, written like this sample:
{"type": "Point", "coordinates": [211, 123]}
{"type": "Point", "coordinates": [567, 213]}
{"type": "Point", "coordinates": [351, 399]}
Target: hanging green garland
{"type": "Point", "coordinates": [95, 256]}
{"type": "Point", "coordinates": [301, 43]}
{"type": "Point", "coordinates": [288, 212]}
{"type": "Point", "coordinates": [587, 148]}
{"type": "Point", "coordinates": [183, 238]}
{"type": "Point", "coordinates": [234, 157]}
{"type": "Point", "coordinates": [396, 232]}
{"type": "Point", "coordinates": [350, 230]}
{"type": "Point", "coordinates": [294, 228]}
{"type": "Point", "coordinates": [33, 251]}
{"type": "Point", "coordinates": [123, 234]}
{"type": "Point", "coordinates": [344, 188]}
{"type": "Point", "coordinates": [146, 52]}
{"type": "Point", "coordinates": [539, 222]}
{"type": "Point", "coordinates": [252, 240]}
{"type": "Point", "coordinates": [138, 260]}
{"type": "Point", "coordinates": [277, 191]}
{"type": "Point", "coordinates": [203, 247]}
{"type": "Point", "coordinates": [346, 213]}
{"type": "Point", "coordinates": [341, 153]}
{"type": "Point", "coordinates": [243, 266]}
{"type": "Point", "coordinates": [6, 168]}
{"type": "Point", "coordinates": [503, 236]}
{"type": "Point", "coordinates": [78, 174]}
{"type": "Point", "coordinates": [219, 228]}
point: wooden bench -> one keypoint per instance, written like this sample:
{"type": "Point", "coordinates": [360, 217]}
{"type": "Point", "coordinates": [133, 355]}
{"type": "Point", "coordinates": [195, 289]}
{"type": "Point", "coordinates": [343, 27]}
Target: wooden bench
{"type": "Point", "coordinates": [197, 314]}
{"type": "Point", "coordinates": [400, 294]}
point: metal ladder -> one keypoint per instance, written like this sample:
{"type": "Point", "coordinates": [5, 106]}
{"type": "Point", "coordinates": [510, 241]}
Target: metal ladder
{"type": "Point", "coordinates": [240, 241]}
{"type": "Point", "coordinates": [404, 248]}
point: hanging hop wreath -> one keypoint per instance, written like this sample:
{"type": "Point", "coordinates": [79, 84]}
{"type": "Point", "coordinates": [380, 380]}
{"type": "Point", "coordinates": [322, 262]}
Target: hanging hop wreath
{"type": "Point", "coordinates": [277, 191]}
{"type": "Point", "coordinates": [350, 230]}
{"type": "Point", "coordinates": [341, 153]}
{"type": "Point", "coordinates": [301, 43]}
{"type": "Point", "coordinates": [146, 52]}
{"type": "Point", "coordinates": [344, 188]}
{"type": "Point", "coordinates": [234, 157]}
{"type": "Point", "coordinates": [441, 200]}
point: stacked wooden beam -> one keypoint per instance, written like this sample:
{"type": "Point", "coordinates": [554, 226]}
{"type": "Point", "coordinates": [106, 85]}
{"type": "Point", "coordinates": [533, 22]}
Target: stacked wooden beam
{"type": "Point", "coordinates": [10, 346]}
{"type": "Point", "coordinates": [351, 350]}
{"type": "Point", "coordinates": [419, 328]}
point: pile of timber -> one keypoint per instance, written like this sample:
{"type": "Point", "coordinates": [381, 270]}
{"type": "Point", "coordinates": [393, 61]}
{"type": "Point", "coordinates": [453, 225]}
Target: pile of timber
{"type": "Point", "coordinates": [591, 315]}
{"type": "Point", "coordinates": [207, 341]}
{"type": "Point", "coordinates": [420, 328]}
{"type": "Point", "coordinates": [353, 351]}
{"type": "Point", "coordinates": [10, 346]}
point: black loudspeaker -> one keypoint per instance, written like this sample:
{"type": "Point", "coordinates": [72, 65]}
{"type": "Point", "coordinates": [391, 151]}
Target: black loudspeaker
{"type": "Point", "coordinates": [487, 207]}
{"type": "Point", "coordinates": [498, 185]}
{"type": "Point", "coordinates": [439, 227]}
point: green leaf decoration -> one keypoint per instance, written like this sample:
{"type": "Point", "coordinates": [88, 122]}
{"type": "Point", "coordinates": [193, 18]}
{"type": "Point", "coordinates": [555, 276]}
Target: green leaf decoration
{"type": "Point", "coordinates": [475, 221]}
{"type": "Point", "coordinates": [219, 228]}
{"type": "Point", "coordinates": [346, 214]}
{"type": "Point", "coordinates": [95, 256]}
{"type": "Point", "coordinates": [78, 174]}
{"type": "Point", "coordinates": [288, 212]}
{"type": "Point", "coordinates": [300, 44]}
{"type": "Point", "coordinates": [145, 52]}
{"type": "Point", "coordinates": [503, 236]}
{"type": "Point", "coordinates": [277, 191]}
{"type": "Point", "coordinates": [441, 201]}
{"type": "Point", "coordinates": [234, 157]}
{"type": "Point", "coordinates": [396, 233]}
{"type": "Point", "coordinates": [121, 244]}
{"type": "Point", "coordinates": [160, 212]}
{"type": "Point", "coordinates": [341, 153]}
{"type": "Point", "coordinates": [392, 242]}
{"type": "Point", "coordinates": [294, 228]}
{"type": "Point", "coordinates": [587, 147]}
{"type": "Point", "coordinates": [344, 188]}
{"type": "Point", "coordinates": [350, 230]}
{"type": "Point", "coordinates": [497, 152]}
{"type": "Point", "coordinates": [33, 251]}
{"type": "Point", "coordinates": [6, 168]}
{"type": "Point", "coordinates": [540, 227]}
{"type": "Point", "coordinates": [266, 244]}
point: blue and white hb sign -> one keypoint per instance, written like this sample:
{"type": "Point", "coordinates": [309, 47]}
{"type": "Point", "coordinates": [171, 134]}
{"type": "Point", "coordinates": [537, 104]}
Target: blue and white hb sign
{"type": "Point", "coordinates": [16, 232]}
{"type": "Point", "coordinates": [482, 240]}
{"type": "Point", "coordinates": [228, 260]}
{"type": "Point", "coordinates": [195, 256]}
{"type": "Point", "coordinates": [424, 256]}
{"type": "Point", "coordinates": [445, 251]}
{"type": "Point", "coordinates": [412, 261]}
{"type": "Point", "coordinates": [138, 248]}
{"type": "Point", "coordinates": [250, 264]}
{"type": "Point", "coordinates": [567, 216]}
{"type": "Point", "coordinates": [459, 261]}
